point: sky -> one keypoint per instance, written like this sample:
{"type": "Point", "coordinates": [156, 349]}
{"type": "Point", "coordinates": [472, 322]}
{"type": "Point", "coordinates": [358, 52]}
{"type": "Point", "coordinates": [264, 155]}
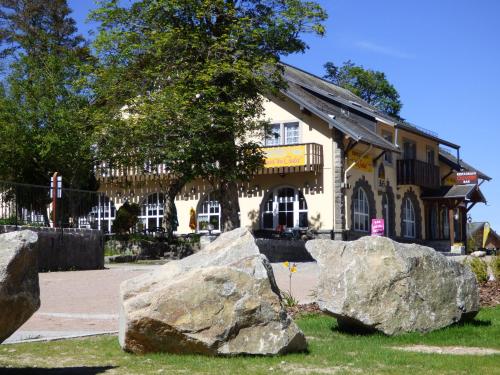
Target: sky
{"type": "Point", "coordinates": [442, 56]}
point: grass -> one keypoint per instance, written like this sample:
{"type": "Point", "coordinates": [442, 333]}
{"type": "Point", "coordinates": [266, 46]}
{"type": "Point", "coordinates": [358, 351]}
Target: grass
{"type": "Point", "coordinates": [330, 352]}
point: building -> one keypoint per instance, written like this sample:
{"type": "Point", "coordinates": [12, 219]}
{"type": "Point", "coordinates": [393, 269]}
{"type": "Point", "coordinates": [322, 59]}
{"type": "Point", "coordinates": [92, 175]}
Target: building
{"type": "Point", "coordinates": [333, 163]}
{"type": "Point", "coordinates": [480, 236]}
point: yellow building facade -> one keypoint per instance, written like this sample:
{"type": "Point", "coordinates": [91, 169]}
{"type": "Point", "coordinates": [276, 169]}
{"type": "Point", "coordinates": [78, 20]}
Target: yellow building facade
{"type": "Point", "coordinates": [333, 163]}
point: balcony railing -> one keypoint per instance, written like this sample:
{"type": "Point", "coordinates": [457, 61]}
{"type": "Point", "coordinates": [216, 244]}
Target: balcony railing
{"type": "Point", "coordinates": [416, 172]}
{"type": "Point", "coordinates": [303, 157]}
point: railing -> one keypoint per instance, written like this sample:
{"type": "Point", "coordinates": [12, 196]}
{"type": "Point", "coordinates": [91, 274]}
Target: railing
{"type": "Point", "coordinates": [284, 158]}
{"type": "Point", "coordinates": [416, 172]}
{"type": "Point", "coordinates": [26, 204]}
{"type": "Point", "coordinates": [302, 157]}
{"type": "Point", "coordinates": [104, 172]}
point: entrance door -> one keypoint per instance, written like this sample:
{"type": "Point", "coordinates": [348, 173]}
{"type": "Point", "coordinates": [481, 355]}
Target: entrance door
{"type": "Point", "coordinates": [286, 208]}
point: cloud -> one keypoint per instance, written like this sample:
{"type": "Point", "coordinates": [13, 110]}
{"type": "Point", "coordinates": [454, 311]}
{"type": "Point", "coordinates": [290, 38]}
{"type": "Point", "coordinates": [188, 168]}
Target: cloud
{"type": "Point", "coordinates": [383, 50]}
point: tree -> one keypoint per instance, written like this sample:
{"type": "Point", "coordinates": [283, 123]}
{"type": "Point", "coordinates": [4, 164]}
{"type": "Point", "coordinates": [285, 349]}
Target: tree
{"type": "Point", "coordinates": [370, 85]}
{"type": "Point", "coordinates": [43, 128]}
{"type": "Point", "coordinates": [190, 76]}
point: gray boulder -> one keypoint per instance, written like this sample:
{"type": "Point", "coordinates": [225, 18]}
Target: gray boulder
{"type": "Point", "coordinates": [375, 283]}
{"type": "Point", "coordinates": [222, 300]}
{"type": "Point", "coordinates": [19, 289]}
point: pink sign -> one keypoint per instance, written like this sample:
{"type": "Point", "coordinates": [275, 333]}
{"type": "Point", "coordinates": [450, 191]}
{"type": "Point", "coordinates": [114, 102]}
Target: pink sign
{"type": "Point", "coordinates": [378, 227]}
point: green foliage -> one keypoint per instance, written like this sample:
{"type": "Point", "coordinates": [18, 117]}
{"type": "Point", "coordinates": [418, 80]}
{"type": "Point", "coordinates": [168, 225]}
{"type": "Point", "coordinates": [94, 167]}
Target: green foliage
{"type": "Point", "coordinates": [43, 124]}
{"type": "Point", "coordinates": [9, 221]}
{"type": "Point", "coordinates": [370, 85]}
{"type": "Point", "coordinates": [289, 300]}
{"type": "Point", "coordinates": [495, 266]}
{"type": "Point", "coordinates": [479, 267]}
{"type": "Point", "coordinates": [126, 218]}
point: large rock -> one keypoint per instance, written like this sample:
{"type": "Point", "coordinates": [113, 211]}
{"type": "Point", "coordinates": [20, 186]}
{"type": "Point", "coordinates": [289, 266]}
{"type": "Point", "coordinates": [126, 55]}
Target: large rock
{"type": "Point", "coordinates": [375, 283]}
{"type": "Point", "coordinates": [221, 300]}
{"type": "Point", "coordinates": [19, 290]}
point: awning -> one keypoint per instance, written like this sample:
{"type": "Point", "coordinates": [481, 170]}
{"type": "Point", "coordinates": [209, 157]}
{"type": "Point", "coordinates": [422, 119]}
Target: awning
{"type": "Point", "coordinates": [469, 193]}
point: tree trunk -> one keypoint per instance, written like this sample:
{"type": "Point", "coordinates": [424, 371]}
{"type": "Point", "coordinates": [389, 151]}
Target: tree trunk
{"type": "Point", "coordinates": [170, 222]}
{"type": "Point", "coordinates": [230, 207]}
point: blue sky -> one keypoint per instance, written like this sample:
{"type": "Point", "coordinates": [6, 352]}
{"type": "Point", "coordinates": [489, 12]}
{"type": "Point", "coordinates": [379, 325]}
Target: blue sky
{"type": "Point", "coordinates": [443, 58]}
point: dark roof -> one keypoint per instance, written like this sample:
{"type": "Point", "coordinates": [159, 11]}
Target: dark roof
{"type": "Point", "coordinates": [451, 161]}
{"type": "Point", "coordinates": [347, 98]}
{"type": "Point", "coordinates": [470, 192]}
{"type": "Point", "coordinates": [316, 101]}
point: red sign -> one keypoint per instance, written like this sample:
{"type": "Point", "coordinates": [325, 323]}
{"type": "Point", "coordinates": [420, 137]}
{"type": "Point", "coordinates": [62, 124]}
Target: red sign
{"type": "Point", "coordinates": [466, 178]}
{"type": "Point", "coordinates": [378, 227]}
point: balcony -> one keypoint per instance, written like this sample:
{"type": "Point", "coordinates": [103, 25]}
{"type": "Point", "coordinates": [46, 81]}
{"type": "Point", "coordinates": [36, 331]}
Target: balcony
{"type": "Point", "coordinates": [419, 173]}
{"type": "Point", "coordinates": [304, 157]}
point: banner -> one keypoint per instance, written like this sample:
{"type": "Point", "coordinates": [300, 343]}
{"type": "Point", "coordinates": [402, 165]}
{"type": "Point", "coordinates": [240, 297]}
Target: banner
{"type": "Point", "coordinates": [285, 156]}
{"type": "Point", "coordinates": [486, 233]}
{"type": "Point", "coordinates": [378, 227]}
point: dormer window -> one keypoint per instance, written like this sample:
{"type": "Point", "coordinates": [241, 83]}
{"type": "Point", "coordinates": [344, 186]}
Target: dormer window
{"type": "Point", "coordinates": [283, 134]}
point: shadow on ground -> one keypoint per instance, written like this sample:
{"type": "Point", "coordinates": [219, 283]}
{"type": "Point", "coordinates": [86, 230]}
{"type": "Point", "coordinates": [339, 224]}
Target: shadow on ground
{"type": "Point", "coordinates": [55, 371]}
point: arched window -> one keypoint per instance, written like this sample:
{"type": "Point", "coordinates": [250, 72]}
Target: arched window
{"type": "Point", "coordinates": [286, 208]}
{"type": "Point", "coordinates": [208, 214]}
{"type": "Point", "coordinates": [409, 222]}
{"type": "Point", "coordinates": [152, 211]}
{"type": "Point", "coordinates": [361, 213]}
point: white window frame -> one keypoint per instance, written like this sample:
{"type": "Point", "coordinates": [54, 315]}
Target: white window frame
{"type": "Point", "coordinates": [153, 210]}
{"type": "Point", "coordinates": [297, 210]}
{"type": "Point", "coordinates": [282, 140]}
{"type": "Point", "coordinates": [361, 211]}
{"type": "Point", "coordinates": [409, 219]}
{"type": "Point", "coordinates": [201, 216]}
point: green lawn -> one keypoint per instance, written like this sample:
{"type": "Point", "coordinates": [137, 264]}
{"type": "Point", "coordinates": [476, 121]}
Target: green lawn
{"type": "Point", "coordinates": [330, 352]}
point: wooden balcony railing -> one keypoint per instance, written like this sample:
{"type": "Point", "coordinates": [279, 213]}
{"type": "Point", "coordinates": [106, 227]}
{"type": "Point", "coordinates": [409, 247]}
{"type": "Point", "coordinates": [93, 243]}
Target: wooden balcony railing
{"type": "Point", "coordinates": [303, 157]}
{"type": "Point", "coordinates": [416, 172]}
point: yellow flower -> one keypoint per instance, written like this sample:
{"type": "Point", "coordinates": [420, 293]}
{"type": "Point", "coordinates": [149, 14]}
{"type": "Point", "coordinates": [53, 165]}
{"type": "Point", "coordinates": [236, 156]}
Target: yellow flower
{"type": "Point", "coordinates": [286, 264]}
{"type": "Point", "coordinates": [293, 269]}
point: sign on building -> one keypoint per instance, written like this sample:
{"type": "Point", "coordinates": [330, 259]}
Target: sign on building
{"type": "Point", "coordinates": [378, 227]}
{"type": "Point", "coordinates": [466, 178]}
{"type": "Point", "coordinates": [364, 163]}
{"type": "Point", "coordinates": [285, 156]}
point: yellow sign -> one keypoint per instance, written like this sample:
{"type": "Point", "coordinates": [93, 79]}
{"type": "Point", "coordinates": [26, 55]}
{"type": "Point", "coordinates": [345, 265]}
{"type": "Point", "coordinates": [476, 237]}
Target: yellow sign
{"type": "Point", "coordinates": [486, 233]}
{"type": "Point", "coordinates": [285, 156]}
{"type": "Point", "coordinates": [364, 164]}
{"type": "Point", "coordinates": [450, 180]}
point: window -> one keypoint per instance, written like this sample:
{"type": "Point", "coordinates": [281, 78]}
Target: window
{"type": "Point", "coordinates": [409, 223]}
{"type": "Point", "coordinates": [283, 134]}
{"type": "Point", "coordinates": [445, 223]}
{"type": "Point", "coordinates": [361, 215]}
{"type": "Point", "coordinates": [284, 207]}
{"type": "Point", "coordinates": [430, 155]}
{"type": "Point", "coordinates": [209, 214]}
{"type": "Point", "coordinates": [274, 138]}
{"type": "Point", "coordinates": [291, 133]}
{"type": "Point", "coordinates": [409, 150]}
{"type": "Point", "coordinates": [104, 214]}
{"type": "Point", "coordinates": [152, 211]}
{"type": "Point", "coordinates": [388, 154]}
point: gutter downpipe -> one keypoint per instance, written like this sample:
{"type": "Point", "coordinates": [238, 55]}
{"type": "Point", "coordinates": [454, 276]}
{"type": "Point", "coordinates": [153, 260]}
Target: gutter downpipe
{"type": "Point", "coordinates": [345, 185]}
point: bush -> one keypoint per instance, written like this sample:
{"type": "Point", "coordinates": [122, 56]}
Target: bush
{"type": "Point", "coordinates": [126, 218]}
{"type": "Point", "coordinates": [495, 267]}
{"type": "Point", "coordinates": [480, 269]}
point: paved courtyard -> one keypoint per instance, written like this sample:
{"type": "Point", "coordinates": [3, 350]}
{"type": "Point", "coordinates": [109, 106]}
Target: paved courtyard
{"type": "Point", "coordinates": [77, 303]}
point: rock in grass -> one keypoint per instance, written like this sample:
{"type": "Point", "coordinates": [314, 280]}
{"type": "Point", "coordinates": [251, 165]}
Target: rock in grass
{"type": "Point", "coordinates": [19, 288]}
{"type": "Point", "coordinates": [375, 283]}
{"type": "Point", "coordinates": [222, 300]}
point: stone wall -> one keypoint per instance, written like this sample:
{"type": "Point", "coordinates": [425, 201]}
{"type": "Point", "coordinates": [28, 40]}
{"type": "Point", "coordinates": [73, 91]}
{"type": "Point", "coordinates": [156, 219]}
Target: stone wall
{"type": "Point", "coordinates": [280, 250]}
{"type": "Point", "coordinates": [71, 249]}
